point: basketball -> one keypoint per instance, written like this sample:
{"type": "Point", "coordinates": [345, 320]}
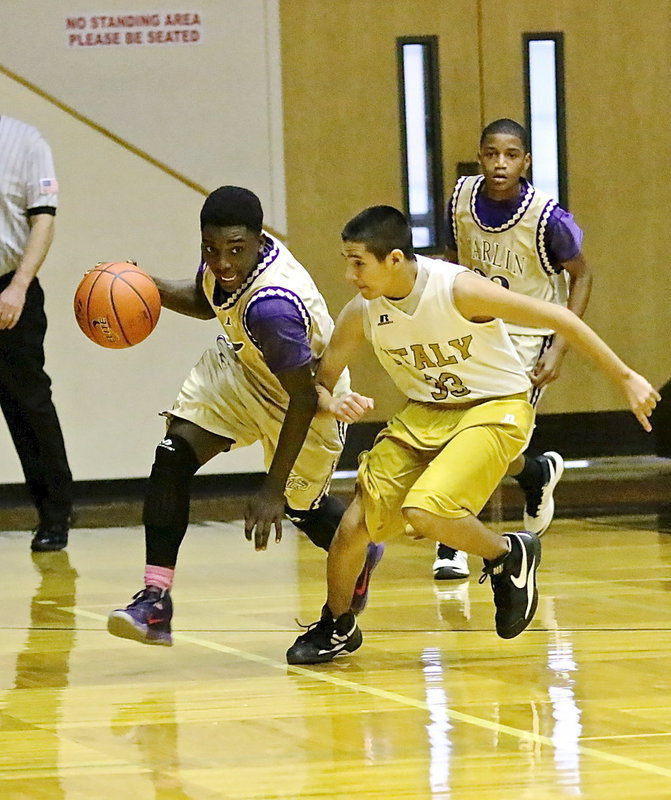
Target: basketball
{"type": "Point", "coordinates": [117, 304]}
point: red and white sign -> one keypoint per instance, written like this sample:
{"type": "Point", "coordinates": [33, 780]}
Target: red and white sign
{"type": "Point", "coordinates": [133, 29]}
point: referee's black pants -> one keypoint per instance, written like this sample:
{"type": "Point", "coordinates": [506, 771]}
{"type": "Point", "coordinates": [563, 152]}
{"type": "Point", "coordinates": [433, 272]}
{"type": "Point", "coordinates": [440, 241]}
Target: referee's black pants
{"type": "Point", "coordinates": [25, 399]}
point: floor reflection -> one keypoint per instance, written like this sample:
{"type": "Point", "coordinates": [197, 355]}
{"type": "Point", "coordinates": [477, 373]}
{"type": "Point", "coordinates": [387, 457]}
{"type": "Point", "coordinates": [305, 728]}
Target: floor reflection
{"type": "Point", "coordinates": [440, 726]}
{"type": "Point", "coordinates": [151, 725]}
{"type": "Point", "coordinates": [43, 663]}
{"type": "Point", "coordinates": [566, 713]}
{"type": "Point", "coordinates": [554, 723]}
{"type": "Point", "coordinates": [326, 742]}
{"type": "Point", "coordinates": [453, 603]}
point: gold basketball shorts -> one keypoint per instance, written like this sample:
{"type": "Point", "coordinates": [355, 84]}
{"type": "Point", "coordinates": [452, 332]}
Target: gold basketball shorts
{"type": "Point", "coordinates": [444, 460]}
{"type": "Point", "coordinates": [218, 396]}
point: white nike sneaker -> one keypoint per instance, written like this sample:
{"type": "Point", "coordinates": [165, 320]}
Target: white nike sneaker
{"type": "Point", "coordinates": [513, 577]}
{"type": "Point", "coordinates": [539, 508]}
{"type": "Point", "coordinates": [450, 564]}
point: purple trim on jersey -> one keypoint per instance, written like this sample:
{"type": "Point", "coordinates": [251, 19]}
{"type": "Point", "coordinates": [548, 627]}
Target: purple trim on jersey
{"type": "Point", "coordinates": [563, 237]}
{"type": "Point", "coordinates": [495, 213]}
{"type": "Point", "coordinates": [537, 391]}
{"type": "Point", "coordinates": [499, 215]}
{"type": "Point", "coordinates": [541, 244]}
{"type": "Point", "coordinates": [450, 227]}
{"type": "Point", "coordinates": [277, 323]}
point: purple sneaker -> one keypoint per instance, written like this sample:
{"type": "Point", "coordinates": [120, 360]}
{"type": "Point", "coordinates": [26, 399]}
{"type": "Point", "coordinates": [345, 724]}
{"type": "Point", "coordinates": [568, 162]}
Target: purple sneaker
{"type": "Point", "coordinates": [373, 558]}
{"type": "Point", "coordinates": [146, 619]}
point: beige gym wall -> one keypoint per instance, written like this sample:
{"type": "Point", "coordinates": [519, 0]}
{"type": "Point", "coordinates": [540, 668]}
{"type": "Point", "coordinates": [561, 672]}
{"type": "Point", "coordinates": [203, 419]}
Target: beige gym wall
{"type": "Point", "coordinates": [108, 400]}
{"type": "Point", "coordinates": [210, 112]}
{"type": "Point", "coordinates": [341, 131]}
{"type": "Point", "coordinates": [342, 146]}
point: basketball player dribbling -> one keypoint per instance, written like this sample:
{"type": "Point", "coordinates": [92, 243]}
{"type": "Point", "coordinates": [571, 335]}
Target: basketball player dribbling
{"type": "Point", "coordinates": [502, 227]}
{"type": "Point", "coordinates": [437, 330]}
{"type": "Point", "coordinates": [256, 385]}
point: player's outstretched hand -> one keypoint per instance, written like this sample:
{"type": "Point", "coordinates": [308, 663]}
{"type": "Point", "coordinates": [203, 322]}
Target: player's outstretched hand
{"type": "Point", "coordinates": [264, 510]}
{"type": "Point", "coordinates": [350, 407]}
{"type": "Point", "coordinates": [642, 398]}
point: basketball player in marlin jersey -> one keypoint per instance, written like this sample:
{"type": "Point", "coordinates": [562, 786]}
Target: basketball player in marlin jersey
{"type": "Point", "coordinates": [257, 385]}
{"type": "Point", "coordinates": [437, 330]}
{"type": "Point", "coordinates": [502, 227]}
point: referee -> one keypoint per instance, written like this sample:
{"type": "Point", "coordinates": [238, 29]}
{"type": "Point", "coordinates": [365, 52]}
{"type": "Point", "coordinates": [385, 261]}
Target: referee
{"type": "Point", "coordinates": [28, 200]}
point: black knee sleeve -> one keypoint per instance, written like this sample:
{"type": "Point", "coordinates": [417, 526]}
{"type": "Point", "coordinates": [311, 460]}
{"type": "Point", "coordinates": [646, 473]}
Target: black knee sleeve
{"type": "Point", "coordinates": [166, 504]}
{"type": "Point", "coordinates": [319, 524]}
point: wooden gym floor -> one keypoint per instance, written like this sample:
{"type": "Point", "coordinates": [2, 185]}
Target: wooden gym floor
{"type": "Point", "coordinates": [433, 705]}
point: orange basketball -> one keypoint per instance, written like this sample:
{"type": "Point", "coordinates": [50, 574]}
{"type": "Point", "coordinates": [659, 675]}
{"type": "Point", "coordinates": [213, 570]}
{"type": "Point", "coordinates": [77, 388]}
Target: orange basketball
{"type": "Point", "coordinates": [117, 305]}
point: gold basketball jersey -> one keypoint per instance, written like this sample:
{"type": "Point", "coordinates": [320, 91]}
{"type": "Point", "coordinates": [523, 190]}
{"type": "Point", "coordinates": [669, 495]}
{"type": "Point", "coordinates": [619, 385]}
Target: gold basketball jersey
{"type": "Point", "coordinates": [435, 355]}
{"type": "Point", "coordinates": [513, 254]}
{"type": "Point", "coordinates": [278, 274]}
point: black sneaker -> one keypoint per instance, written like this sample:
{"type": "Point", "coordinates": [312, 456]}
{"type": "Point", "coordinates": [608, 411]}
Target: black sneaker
{"type": "Point", "coordinates": [326, 639]}
{"type": "Point", "coordinates": [513, 578]}
{"type": "Point", "coordinates": [146, 619]}
{"type": "Point", "coordinates": [49, 537]}
{"type": "Point", "coordinates": [539, 507]}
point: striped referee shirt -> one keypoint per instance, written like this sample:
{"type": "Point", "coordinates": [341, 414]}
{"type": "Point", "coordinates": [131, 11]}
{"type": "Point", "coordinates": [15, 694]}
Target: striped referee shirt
{"type": "Point", "coordinates": [28, 186]}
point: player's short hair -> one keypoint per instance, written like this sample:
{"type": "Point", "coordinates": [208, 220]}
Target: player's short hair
{"type": "Point", "coordinates": [508, 126]}
{"type": "Point", "coordinates": [382, 229]}
{"type": "Point", "coordinates": [232, 205]}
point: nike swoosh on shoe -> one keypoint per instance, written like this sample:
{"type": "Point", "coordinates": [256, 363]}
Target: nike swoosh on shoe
{"type": "Point", "coordinates": [336, 645]}
{"type": "Point", "coordinates": [530, 590]}
{"type": "Point", "coordinates": [335, 649]}
{"type": "Point", "coordinates": [520, 581]}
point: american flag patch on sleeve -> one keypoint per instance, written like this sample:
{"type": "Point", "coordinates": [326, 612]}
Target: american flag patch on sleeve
{"type": "Point", "coordinates": [48, 186]}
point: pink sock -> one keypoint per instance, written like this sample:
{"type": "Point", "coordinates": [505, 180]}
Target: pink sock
{"type": "Point", "coordinates": [162, 577]}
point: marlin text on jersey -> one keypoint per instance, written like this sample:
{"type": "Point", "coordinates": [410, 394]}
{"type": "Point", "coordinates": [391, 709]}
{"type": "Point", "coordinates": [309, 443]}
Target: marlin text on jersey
{"type": "Point", "coordinates": [494, 254]}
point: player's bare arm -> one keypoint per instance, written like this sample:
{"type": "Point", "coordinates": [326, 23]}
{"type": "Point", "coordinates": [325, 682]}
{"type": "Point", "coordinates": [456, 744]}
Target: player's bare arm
{"type": "Point", "coordinates": [265, 510]}
{"type": "Point", "coordinates": [480, 300]}
{"type": "Point", "coordinates": [580, 284]}
{"type": "Point", "coordinates": [185, 297]}
{"type": "Point", "coordinates": [580, 288]}
{"type": "Point", "coordinates": [348, 334]}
